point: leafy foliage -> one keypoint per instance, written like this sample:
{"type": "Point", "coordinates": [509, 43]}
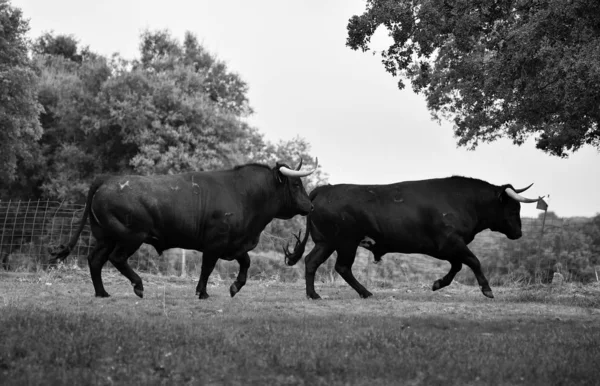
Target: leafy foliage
{"type": "Point", "coordinates": [504, 68]}
{"type": "Point", "coordinates": [60, 45]}
{"type": "Point", "coordinates": [19, 108]}
{"type": "Point", "coordinates": [176, 109]}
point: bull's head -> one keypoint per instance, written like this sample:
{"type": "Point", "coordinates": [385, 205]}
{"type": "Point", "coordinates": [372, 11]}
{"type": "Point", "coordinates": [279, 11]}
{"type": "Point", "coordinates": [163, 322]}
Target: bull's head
{"type": "Point", "coordinates": [295, 198]}
{"type": "Point", "coordinates": [509, 221]}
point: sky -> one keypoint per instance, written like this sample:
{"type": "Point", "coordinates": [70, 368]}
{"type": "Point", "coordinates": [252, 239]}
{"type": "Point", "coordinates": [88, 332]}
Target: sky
{"type": "Point", "coordinates": [304, 81]}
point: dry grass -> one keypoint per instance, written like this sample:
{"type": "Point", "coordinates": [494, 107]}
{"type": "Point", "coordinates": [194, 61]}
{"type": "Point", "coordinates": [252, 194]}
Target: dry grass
{"type": "Point", "coordinates": [55, 331]}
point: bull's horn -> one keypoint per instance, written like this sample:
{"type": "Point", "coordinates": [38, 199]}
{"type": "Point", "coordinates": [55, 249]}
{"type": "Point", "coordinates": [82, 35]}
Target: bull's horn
{"type": "Point", "coordinates": [516, 196]}
{"type": "Point", "coordinates": [299, 165]}
{"type": "Point", "coordinates": [297, 173]}
{"type": "Point", "coordinates": [524, 189]}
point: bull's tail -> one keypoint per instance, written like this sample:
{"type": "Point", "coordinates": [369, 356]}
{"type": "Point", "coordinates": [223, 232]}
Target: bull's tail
{"type": "Point", "coordinates": [292, 258]}
{"type": "Point", "coordinates": [62, 251]}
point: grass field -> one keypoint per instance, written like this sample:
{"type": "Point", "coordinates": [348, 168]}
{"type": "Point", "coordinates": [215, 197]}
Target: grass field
{"type": "Point", "coordinates": [53, 331]}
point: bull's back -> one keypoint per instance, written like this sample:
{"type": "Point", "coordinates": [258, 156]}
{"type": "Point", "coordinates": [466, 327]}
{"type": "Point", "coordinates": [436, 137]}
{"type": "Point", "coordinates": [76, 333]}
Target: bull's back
{"type": "Point", "coordinates": [402, 217]}
{"type": "Point", "coordinates": [141, 192]}
{"type": "Point", "coordinates": [165, 207]}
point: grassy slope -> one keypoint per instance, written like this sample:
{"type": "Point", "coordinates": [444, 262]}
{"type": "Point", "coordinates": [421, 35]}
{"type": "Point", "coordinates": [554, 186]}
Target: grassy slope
{"type": "Point", "coordinates": [52, 330]}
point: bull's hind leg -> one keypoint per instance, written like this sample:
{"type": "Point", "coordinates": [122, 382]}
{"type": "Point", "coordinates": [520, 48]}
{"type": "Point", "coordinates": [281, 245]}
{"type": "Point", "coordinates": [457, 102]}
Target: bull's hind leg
{"type": "Point", "coordinates": [343, 266]}
{"type": "Point", "coordinates": [456, 266]}
{"type": "Point", "coordinates": [118, 258]}
{"type": "Point", "coordinates": [240, 281]}
{"type": "Point", "coordinates": [312, 261]}
{"type": "Point", "coordinates": [96, 260]}
{"type": "Point", "coordinates": [208, 264]}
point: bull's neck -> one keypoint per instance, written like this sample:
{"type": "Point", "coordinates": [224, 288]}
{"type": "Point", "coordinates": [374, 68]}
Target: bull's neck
{"type": "Point", "coordinates": [474, 198]}
{"type": "Point", "coordinates": [262, 197]}
{"type": "Point", "coordinates": [484, 212]}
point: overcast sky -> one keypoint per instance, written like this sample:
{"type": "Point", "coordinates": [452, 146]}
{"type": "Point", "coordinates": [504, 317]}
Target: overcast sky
{"type": "Point", "coordinates": [304, 81]}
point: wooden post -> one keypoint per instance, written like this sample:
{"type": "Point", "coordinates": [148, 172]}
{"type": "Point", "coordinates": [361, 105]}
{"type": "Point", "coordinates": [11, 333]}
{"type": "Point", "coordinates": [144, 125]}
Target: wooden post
{"type": "Point", "coordinates": [183, 270]}
{"type": "Point", "coordinates": [542, 205]}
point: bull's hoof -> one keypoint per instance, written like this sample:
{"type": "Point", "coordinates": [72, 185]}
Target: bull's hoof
{"type": "Point", "coordinates": [314, 296]}
{"type": "Point", "coordinates": [366, 295]}
{"type": "Point", "coordinates": [488, 293]}
{"type": "Point", "coordinates": [102, 294]}
{"type": "Point", "coordinates": [203, 296]}
{"type": "Point", "coordinates": [139, 292]}
{"type": "Point", "coordinates": [437, 285]}
{"type": "Point", "coordinates": [233, 289]}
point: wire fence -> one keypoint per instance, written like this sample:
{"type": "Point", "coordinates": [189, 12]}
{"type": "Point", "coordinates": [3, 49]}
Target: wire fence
{"type": "Point", "coordinates": [29, 229]}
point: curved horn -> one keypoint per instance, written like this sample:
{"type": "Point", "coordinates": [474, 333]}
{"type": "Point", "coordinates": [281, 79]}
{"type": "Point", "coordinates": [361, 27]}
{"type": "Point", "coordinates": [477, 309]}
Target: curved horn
{"type": "Point", "coordinates": [524, 189]}
{"type": "Point", "coordinates": [516, 196]}
{"type": "Point", "coordinates": [297, 173]}
{"type": "Point", "coordinates": [300, 165]}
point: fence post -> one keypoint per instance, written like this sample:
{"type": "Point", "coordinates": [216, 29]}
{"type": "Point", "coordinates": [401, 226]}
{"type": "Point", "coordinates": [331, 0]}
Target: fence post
{"type": "Point", "coordinates": [23, 236]}
{"type": "Point", "coordinates": [183, 270]}
{"type": "Point", "coordinates": [4, 226]}
{"type": "Point", "coordinates": [37, 206]}
{"type": "Point", "coordinates": [43, 226]}
{"type": "Point", "coordinates": [12, 236]}
{"type": "Point", "coordinates": [542, 205]}
{"type": "Point", "coordinates": [4, 262]}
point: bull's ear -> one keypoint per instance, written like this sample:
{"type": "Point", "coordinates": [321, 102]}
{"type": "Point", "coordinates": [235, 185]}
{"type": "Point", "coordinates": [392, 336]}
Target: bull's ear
{"type": "Point", "coordinates": [279, 177]}
{"type": "Point", "coordinates": [501, 193]}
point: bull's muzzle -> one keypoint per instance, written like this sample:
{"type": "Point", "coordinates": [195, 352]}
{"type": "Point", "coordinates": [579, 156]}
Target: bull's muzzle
{"type": "Point", "coordinates": [515, 235]}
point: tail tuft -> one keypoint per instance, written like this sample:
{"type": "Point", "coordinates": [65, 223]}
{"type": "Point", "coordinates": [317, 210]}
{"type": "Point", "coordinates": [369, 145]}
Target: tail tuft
{"type": "Point", "coordinates": [58, 254]}
{"type": "Point", "coordinates": [292, 258]}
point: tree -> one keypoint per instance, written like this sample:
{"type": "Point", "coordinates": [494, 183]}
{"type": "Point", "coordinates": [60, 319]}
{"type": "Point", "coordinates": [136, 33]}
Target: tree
{"type": "Point", "coordinates": [177, 109]}
{"type": "Point", "coordinates": [72, 149]}
{"type": "Point", "coordinates": [59, 45]}
{"type": "Point", "coordinates": [19, 109]}
{"type": "Point", "coordinates": [153, 116]}
{"type": "Point", "coordinates": [161, 52]}
{"type": "Point", "coordinates": [592, 230]}
{"type": "Point", "coordinates": [514, 68]}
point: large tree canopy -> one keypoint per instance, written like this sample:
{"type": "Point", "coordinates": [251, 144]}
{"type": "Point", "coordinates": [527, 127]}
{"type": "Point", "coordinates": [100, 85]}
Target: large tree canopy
{"type": "Point", "coordinates": [178, 108]}
{"type": "Point", "coordinates": [501, 68]}
{"type": "Point", "coordinates": [19, 108]}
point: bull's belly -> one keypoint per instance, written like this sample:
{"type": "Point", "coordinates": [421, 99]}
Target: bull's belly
{"type": "Point", "coordinates": [230, 245]}
{"type": "Point", "coordinates": [223, 245]}
{"type": "Point", "coordinates": [382, 245]}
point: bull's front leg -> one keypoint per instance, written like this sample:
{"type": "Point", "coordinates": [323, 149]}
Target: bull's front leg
{"type": "Point", "coordinates": [208, 264]}
{"type": "Point", "coordinates": [240, 281]}
{"type": "Point", "coordinates": [473, 262]}
{"type": "Point", "coordinates": [457, 253]}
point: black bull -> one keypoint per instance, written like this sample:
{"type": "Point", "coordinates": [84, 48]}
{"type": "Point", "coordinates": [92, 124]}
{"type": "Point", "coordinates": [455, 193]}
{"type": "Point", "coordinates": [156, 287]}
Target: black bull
{"type": "Point", "coordinates": [437, 217]}
{"type": "Point", "coordinates": [220, 213]}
